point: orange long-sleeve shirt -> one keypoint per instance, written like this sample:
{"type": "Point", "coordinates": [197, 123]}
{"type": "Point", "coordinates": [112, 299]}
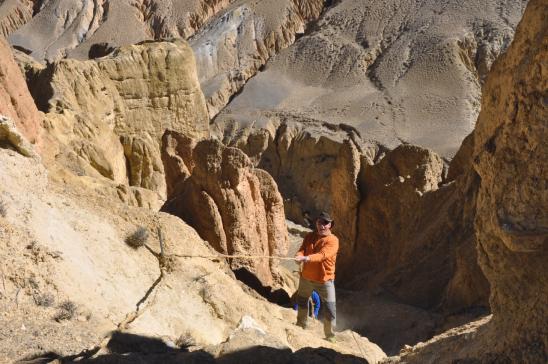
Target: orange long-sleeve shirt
{"type": "Point", "coordinates": [322, 252]}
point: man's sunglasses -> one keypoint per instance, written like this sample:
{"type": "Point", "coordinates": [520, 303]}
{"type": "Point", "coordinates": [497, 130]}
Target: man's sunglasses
{"type": "Point", "coordinates": [324, 222]}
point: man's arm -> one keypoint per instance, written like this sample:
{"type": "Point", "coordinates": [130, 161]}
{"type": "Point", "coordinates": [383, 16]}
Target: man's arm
{"type": "Point", "coordinates": [327, 251]}
{"type": "Point", "coordinates": [299, 256]}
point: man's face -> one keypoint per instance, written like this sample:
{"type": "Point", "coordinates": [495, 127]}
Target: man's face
{"type": "Point", "coordinates": [323, 227]}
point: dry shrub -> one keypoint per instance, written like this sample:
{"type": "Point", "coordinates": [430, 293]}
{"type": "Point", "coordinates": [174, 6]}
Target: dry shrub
{"type": "Point", "coordinates": [168, 263]}
{"type": "Point", "coordinates": [185, 341]}
{"type": "Point", "coordinates": [44, 299]}
{"type": "Point", "coordinates": [3, 209]}
{"type": "Point", "coordinates": [66, 311]}
{"type": "Point", "coordinates": [138, 238]}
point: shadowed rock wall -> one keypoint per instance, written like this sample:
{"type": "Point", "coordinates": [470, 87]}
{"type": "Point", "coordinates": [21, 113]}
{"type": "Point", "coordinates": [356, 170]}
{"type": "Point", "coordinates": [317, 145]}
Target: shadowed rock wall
{"type": "Point", "coordinates": [512, 214]}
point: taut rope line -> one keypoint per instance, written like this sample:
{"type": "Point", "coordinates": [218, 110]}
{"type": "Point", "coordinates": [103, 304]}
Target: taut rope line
{"type": "Point", "coordinates": [215, 256]}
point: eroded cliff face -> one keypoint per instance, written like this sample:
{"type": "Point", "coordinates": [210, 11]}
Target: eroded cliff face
{"type": "Point", "coordinates": [234, 206]}
{"type": "Point", "coordinates": [391, 208]}
{"type": "Point", "coordinates": [109, 115]}
{"type": "Point", "coordinates": [14, 14]}
{"type": "Point", "coordinates": [512, 217]}
{"type": "Point", "coordinates": [73, 28]}
{"type": "Point", "coordinates": [407, 216]}
{"type": "Point", "coordinates": [232, 39]}
{"type": "Point", "coordinates": [15, 99]}
{"type": "Point", "coordinates": [64, 242]}
{"type": "Point", "coordinates": [511, 221]}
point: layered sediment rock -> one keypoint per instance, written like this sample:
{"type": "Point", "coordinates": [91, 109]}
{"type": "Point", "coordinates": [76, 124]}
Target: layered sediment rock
{"type": "Point", "coordinates": [235, 207]}
{"type": "Point", "coordinates": [109, 115]}
{"type": "Point", "coordinates": [15, 99]}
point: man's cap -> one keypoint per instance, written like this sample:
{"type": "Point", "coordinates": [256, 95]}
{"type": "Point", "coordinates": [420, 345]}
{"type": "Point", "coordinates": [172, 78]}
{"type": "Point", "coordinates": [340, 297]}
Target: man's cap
{"type": "Point", "coordinates": [325, 216]}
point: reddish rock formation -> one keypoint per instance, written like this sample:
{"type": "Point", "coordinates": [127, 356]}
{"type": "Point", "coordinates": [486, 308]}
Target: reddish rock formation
{"type": "Point", "coordinates": [15, 99]}
{"type": "Point", "coordinates": [233, 206]}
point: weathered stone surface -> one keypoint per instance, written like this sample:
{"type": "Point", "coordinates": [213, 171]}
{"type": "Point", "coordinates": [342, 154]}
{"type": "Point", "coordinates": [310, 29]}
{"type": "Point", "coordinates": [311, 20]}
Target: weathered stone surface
{"type": "Point", "coordinates": [70, 27]}
{"type": "Point", "coordinates": [397, 71]}
{"type": "Point", "coordinates": [512, 217]}
{"type": "Point", "coordinates": [235, 207]}
{"type": "Point", "coordinates": [232, 48]}
{"type": "Point", "coordinates": [511, 222]}
{"type": "Point", "coordinates": [13, 14]}
{"type": "Point", "coordinates": [112, 112]}
{"type": "Point", "coordinates": [392, 188]}
{"type": "Point", "coordinates": [317, 173]}
{"type": "Point", "coordinates": [388, 215]}
{"type": "Point", "coordinates": [15, 99]}
{"type": "Point", "coordinates": [405, 218]}
{"type": "Point", "coordinates": [177, 159]}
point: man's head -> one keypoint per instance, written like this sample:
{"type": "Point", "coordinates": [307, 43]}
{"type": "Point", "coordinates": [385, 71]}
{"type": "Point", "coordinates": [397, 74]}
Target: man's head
{"type": "Point", "coordinates": [324, 223]}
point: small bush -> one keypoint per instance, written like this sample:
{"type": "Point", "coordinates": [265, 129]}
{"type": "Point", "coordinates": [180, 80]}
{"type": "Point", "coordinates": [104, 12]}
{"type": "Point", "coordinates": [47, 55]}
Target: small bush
{"type": "Point", "coordinates": [66, 311]}
{"type": "Point", "coordinates": [184, 341]}
{"type": "Point", "coordinates": [44, 299]}
{"type": "Point", "coordinates": [3, 209]}
{"type": "Point", "coordinates": [138, 238]}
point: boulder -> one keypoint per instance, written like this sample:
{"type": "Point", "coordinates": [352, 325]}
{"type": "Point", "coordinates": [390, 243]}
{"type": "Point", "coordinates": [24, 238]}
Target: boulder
{"type": "Point", "coordinates": [11, 138]}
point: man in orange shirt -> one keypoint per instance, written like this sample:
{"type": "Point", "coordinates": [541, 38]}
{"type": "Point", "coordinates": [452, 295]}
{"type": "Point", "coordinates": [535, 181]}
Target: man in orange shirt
{"type": "Point", "coordinates": [318, 254]}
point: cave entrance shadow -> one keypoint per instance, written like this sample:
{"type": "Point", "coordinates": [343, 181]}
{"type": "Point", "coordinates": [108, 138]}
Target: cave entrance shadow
{"type": "Point", "coordinates": [278, 296]}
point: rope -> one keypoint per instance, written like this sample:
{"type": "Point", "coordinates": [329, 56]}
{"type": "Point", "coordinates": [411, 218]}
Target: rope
{"type": "Point", "coordinates": [216, 256]}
